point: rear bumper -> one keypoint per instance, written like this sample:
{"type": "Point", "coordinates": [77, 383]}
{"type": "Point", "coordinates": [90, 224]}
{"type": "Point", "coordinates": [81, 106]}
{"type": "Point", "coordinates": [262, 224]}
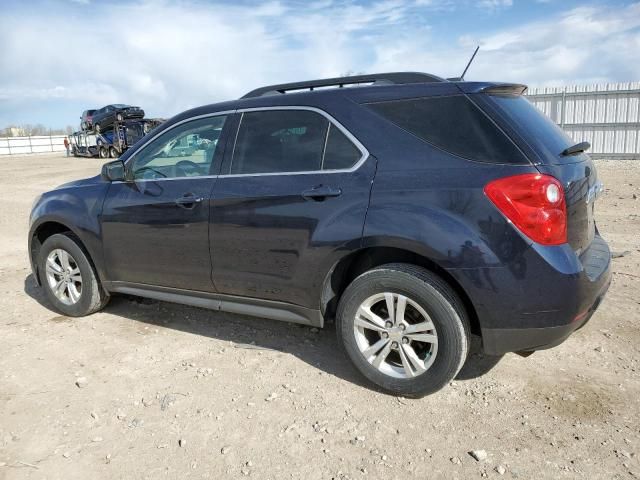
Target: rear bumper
{"type": "Point", "coordinates": [497, 341]}
{"type": "Point", "coordinates": [540, 299]}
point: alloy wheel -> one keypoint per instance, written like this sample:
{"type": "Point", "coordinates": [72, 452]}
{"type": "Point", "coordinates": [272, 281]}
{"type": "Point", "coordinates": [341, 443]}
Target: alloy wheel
{"type": "Point", "coordinates": [64, 277]}
{"type": "Point", "coordinates": [395, 335]}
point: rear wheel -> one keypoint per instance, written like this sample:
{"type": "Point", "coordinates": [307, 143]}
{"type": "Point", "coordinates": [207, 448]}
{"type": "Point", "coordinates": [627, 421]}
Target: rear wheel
{"type": "Point", "coordinates": [103, 152]}
{"type": "Point", "coordinates": [113, 153]}
{"type": "Point", "coordinates": [68, 278]}
{"type": "Point", "coordinates": [404, 329]}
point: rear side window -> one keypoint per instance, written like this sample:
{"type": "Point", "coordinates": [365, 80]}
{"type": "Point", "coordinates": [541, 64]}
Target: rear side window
{"type": "Point", "coordinates": [285, 141]}
{"type": "Point", "coordinates": [279, 141]}
{"type": "Point", "coordinates": [454, 124]}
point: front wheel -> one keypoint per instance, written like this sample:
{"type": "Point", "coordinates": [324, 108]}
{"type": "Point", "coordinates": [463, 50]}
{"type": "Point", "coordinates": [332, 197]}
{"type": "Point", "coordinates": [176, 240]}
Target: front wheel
{"type": "Point", "coordinates": [68, 278]}
{"type": "Point", "coordinates": [404, 328]}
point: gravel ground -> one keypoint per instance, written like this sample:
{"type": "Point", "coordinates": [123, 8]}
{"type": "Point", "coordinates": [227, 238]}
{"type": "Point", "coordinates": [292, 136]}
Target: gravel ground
{"type": "Point", "coordinates": [153, 390]}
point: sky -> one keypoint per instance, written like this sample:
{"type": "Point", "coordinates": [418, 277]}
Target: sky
{"type": "Point", "coordinates": [61, 57]}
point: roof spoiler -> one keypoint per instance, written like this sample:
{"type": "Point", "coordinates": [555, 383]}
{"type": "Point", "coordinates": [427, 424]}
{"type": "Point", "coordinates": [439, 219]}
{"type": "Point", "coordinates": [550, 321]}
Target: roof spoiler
{"type": "Point", "coordinates": [511, 89]}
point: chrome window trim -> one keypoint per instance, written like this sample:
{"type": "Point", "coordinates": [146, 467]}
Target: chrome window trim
{"type": "Point", "coordinates": [332, 121]}
{"type": "Point", "coordinates": [140, 180]}
{"type": "Point", "coordinates": [324, 147]}
{"type": "Point", "coordinates": [235, 140]}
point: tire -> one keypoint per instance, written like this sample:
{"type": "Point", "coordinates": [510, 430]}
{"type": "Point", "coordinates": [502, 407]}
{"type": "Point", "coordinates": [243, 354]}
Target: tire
{"type": "Point", "coordinates": [113, 153]}
{"type": "Point", "coordinates": [89, 296]}
{"type": "Point", "coordinates": [439, 359]}
{"type": "Point", "coordinates": [103, 152]}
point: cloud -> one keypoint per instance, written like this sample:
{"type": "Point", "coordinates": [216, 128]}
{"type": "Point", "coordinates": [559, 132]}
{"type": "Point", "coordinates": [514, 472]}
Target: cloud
{"type": "Point", "coordinates": [167, 56]}
{"type": "Point", "coordinates": [582, 45]}
{"type": "Point", "coordinates": [270, 9]}
{"type": "Point", "coordinates": [176, 55]}
{"type": "Point", "coordinates": [495, 4]}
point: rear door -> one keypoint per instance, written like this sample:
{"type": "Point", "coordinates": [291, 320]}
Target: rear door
{"type": "Point", "coordinates": [291, 198]}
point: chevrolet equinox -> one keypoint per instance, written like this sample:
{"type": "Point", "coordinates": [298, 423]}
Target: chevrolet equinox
{"type": "Point", "coordinates": [413, 210]}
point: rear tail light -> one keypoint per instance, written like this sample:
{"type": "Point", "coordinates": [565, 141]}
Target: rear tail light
{"type": "Point", "coordinates": [534, 203]}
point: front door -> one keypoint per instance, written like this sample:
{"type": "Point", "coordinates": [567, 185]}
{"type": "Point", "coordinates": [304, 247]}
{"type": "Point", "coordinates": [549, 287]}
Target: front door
{"type": "Point", "coordinates": [290, 200]}
{"type": "Point", "coordinates": [155, 225]}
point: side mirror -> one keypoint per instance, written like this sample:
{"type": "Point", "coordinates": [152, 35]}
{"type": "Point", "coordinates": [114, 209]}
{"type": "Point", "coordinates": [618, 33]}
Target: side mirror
{"type": "Point", "coordinates": [113, 171]}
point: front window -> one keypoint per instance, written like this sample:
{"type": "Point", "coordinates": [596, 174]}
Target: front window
{"type": "Point", "coordinates": [188, 150]}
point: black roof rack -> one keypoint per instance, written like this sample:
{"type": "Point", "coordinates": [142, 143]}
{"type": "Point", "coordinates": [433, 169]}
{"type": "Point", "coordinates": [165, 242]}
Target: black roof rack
{"type": "Point", "coordinates": [392, 78]}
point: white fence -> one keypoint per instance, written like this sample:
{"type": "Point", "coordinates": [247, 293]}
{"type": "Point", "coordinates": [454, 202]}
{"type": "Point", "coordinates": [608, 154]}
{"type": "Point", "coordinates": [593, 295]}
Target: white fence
{"type": "Point", "coordinates": [607, 115]}
{"type": "Point", "coordinates": [36, 144]}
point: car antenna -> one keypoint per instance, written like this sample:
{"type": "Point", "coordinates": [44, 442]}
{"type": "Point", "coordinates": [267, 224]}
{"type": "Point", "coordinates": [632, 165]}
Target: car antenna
{"type": "Point", "coordinates": [461, 77]}
{"type": "Point", "coordinates": [469, 64]}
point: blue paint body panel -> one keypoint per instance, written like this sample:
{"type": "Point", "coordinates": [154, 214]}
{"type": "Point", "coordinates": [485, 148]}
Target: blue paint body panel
{"type": "Point", "coordinates": [257, 237]}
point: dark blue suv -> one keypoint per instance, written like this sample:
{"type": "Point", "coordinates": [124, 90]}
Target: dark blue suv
{"type": "Point", "coordinates": [413, 210]}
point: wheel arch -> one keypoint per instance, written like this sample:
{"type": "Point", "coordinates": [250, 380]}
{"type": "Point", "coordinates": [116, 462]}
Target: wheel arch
{"type": "Point", "coordinates": [361, 260]}
{"type": "Point", "coordinates": [45, 229]}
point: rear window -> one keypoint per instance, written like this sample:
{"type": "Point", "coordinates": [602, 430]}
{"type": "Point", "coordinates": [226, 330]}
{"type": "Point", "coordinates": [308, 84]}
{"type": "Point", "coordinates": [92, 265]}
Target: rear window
{"type": "Point", "coordinates": [453, 124]}
{"type": "Point", "coordinates": [537, 129]}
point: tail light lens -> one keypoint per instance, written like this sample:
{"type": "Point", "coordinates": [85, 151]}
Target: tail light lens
{"type": "Point", "coordinates": [534, 203]}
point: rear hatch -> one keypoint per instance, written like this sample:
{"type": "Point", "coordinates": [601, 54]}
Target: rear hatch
{"type": "Point", "coordinates": [544, 143]}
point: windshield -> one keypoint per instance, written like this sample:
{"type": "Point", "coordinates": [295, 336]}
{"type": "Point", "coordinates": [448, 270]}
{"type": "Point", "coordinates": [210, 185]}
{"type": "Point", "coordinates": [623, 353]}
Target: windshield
{"type": "Point", "coordinates": [537, 129]}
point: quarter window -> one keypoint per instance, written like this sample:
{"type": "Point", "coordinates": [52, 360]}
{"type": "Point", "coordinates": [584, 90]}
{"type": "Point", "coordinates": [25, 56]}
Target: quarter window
{"type": "Point", "coordinates": [285, 141]}
{"type": "Point", "coordinates": [340, 152]}
{"type": "Point", "coordinates": [452, 123]}
{"type": "Point", "coordinates": [188, 150]}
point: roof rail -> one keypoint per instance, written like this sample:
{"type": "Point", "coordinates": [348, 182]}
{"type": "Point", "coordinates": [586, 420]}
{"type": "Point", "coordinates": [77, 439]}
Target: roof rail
{"type": "Point", "coordinates": [392, 78]}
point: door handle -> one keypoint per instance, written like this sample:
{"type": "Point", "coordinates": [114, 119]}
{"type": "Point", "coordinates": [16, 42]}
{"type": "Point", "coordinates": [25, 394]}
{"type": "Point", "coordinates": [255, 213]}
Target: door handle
{"type": "Point", "coordinates": [188, 201]}
{"type": "Point", "coordinates": [319, 193]}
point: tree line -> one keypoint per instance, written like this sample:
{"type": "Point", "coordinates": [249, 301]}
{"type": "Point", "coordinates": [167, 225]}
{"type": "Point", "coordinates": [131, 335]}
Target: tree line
{"type": "Point", "coordinates": [30, 130]}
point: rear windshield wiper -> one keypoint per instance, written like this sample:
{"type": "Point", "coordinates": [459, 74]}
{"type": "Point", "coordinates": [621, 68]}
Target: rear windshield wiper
{"type": "Point", "coordinates": [575, 149]}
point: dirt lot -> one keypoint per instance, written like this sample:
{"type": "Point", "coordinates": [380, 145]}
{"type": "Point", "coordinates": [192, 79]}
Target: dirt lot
{"type": "Point", "coordinates": [175, 392]}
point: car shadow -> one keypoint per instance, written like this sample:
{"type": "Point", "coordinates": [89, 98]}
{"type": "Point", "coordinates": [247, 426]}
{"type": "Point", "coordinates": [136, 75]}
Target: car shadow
{"type": "Point", "coordinates": [315, 347]}
{"type": "Point", "coordinates": [477, 363]}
